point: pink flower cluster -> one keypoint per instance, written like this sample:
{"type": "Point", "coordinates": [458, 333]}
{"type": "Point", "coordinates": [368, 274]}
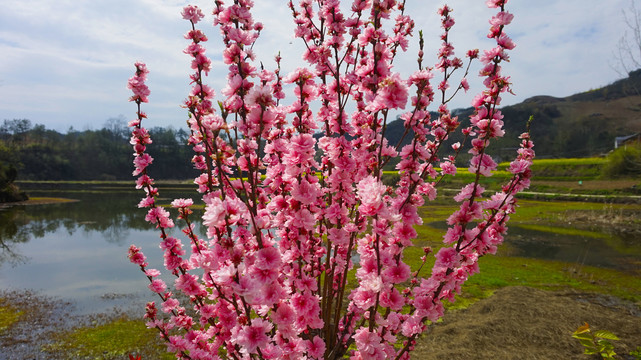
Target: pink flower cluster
{"type": "Point", "coordinates": [295, 203]}
{"type": "Point", "coordinates": [137, 84]}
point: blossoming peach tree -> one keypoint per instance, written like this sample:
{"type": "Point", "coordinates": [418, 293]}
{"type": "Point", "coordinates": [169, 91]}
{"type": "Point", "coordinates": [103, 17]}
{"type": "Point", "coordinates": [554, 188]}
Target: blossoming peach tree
{"type": "Point", "coordinates": [304, 253]}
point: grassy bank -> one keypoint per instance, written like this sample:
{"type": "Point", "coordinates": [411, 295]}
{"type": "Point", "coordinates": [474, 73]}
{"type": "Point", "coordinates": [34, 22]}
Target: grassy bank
{"type": "Point", "coordinates": [9, 315]}
{"type": "Point", "coordinates": [112, 339]}
{"type": "Point", "coordinates": [554, 217]}
{"type": "Point", "coordinates": [559, 177]}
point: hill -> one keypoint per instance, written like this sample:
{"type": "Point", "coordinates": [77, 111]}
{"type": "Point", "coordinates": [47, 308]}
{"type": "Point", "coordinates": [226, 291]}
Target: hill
{"type": "Point", "coordinates": [583, 124]}
{"type": "Point", "coordinates": [579, 125]}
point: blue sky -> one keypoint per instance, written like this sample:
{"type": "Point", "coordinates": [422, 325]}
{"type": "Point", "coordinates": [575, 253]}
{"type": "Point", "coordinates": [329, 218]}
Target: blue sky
{"type": "Point", "coordinates": [66, 63]}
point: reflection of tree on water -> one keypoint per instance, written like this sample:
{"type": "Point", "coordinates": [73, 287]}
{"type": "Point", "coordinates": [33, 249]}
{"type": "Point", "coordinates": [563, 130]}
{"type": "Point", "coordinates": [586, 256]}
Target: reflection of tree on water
{"type": "Point", "coordinates": [115, 232]}
{"type": "Point", "coordinates": [111, 213]}
{"type": "Point", "coordinates": [10, 234]}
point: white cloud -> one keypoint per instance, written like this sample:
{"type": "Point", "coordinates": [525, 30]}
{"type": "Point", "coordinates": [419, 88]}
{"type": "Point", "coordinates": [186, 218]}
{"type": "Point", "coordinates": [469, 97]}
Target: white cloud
{"type": "Point", "coordinates": [66, 62]}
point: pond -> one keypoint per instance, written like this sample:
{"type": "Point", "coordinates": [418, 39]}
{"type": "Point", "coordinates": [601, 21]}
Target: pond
{"type": "Point", "coordinates": [569, 244]}
{"type": "Point", "coordinates": [77, 251]}
{"type": "Point", "coordinates": [614, 251]}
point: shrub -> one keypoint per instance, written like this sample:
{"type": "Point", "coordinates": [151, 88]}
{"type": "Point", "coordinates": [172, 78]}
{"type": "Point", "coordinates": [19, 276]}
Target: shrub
{"type": "Point", "coordinates": [624, 162]}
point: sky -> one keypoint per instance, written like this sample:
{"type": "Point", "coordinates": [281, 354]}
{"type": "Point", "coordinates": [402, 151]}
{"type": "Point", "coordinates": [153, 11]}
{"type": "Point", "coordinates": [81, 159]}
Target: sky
{"type": "Point", "coordinates": [65, 63]}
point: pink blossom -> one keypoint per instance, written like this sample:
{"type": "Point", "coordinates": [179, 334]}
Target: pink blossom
{"type": "Point", "coordinates": [305, 192]}
{"type": "Point", "coordinates": [484, 164]}
{"type": "Point", "coordinates": [177, 344]}
{"type": "Point", "coordinates": [260, 95]}
{"type": "Point", "coordinates": [267, 258]}
{"type": "Point", "coordinates": [368, 344]}
{"type": "Point", "coordinates": [152, 272]}
{"type": "Point", "coordinates": [224, 275]}
{"type": "Point", "coordinates": [159, 216]}
{"type": "Point", "coordinates": [192, 13]}
{"type": "Point", "coordinates": [299, 75]}
{"type": "Point", "coordinates": [364, 299]}
{"type": "Point", "coordinates": [254, 336]}
{"type": "Point", "coordinates": [214, 214]}
{"type": "Point", "coordinates": [301, 148]}
{"type": "Point", "coordinates": [157, 286]}
{"type": "Point", "coordinates": [465, 85]}
{"type": "Point", "coordinates": [169, 305]}
{"type": "Point", "coordinates": [189, 284]}
{"type": "Point", "coordinates": [303, 303]}
{"type": "Point", "coordinates": [453, 234]}
{"type": "Point", "coordinates": [412, 326]}
{"type": "Point", "coordinates": [271, 293]}
{"type": "Point", "coordinates": [374, 284]}
{"type": "Point", "coordinates": [519, 166]}
{"type": "Point", "coordinates": [397, 274]}
{"type": "Point", "coordinates": [284, 315]}
{"type": "Point", "coordinates": [170, 243]}
{"type": "Point", "coordinates": [501, 19]}
{"type": "Point", "coordinates": [447, 257]}
{"type": "Point", "coordinates": [505, 42]}
{"type": "Point", "coordinates": [137, 84]}
{"type": "Point", "coordinates": [392, 94]}
{"type": "Point", "coordinates": [370, 193]}
{"type": "Point", "coordinates": [182, 203]}
{"type": "Point", "coordinates": [141, 162]}
{"type": "Point", "coordinates": [392, 298]}
{"type": "Point", "coordinates": [495, 3]}
{"type": "Point", "coordinates": [139, 88]}
{"type": "Point", "coordinates": [148, 201]}
{"type": "Point", "coordinates": [271, 351]}
{"type": "Point", "coordinates": [495, 201]}
{"type": "Point", "coordinates": [136, 256]}
{"type": "Point", "coordinates": [143, 180]}
{"type": "Point", "coordinates": [303, 219]}
{"type": "Point", "coordinates": [316, 347]}
{"type": "Point", "coordinates": [465, 214]}
{"type": "Point", "coordinates": [196, 36]}
{"type": "Point", "coordinates": [469, 191]}
{"type": "Point", "coordinates": [448, 168]}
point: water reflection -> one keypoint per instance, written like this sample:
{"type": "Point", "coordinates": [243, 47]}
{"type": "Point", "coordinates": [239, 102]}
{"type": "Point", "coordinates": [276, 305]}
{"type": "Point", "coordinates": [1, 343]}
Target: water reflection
{"type": "Point", "coordinates": [599, 249]}
{"type": "Point", "coordinates": [592, 248]}
{"type": "Point", "coordinates": [110, 216]}
{"type": "Point", "coordinates": [11, 232]}
{"type": "Point", "coordinates": [78, 250]}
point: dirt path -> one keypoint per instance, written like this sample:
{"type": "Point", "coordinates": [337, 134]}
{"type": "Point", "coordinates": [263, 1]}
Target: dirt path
{"type": "Point", "coordinates": [526, 323]}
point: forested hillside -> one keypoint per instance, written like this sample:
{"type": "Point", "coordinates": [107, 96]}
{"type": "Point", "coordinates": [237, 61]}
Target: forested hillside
{"type": "Point", "coordinates": [580, 125]}
{"type": "Point", "coordinates": [42, 154]}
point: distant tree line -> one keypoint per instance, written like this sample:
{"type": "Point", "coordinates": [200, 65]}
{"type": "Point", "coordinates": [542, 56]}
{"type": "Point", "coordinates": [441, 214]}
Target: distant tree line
{"type": "Point", "coordinates": [39, 153]}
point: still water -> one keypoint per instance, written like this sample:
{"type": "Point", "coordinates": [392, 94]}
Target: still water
{"type": "Point", "coordinates": [77, 251]}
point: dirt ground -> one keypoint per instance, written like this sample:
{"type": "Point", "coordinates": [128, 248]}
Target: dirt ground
{"type": "Point", "coordinates": [526, 323]}
{"type": "Point", "coordinates": [514, 323]}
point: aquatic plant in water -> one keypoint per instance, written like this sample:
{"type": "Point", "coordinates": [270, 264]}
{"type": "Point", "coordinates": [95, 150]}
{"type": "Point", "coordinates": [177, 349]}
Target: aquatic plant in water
{"type": "Point", "coordinates": [293, 197]}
